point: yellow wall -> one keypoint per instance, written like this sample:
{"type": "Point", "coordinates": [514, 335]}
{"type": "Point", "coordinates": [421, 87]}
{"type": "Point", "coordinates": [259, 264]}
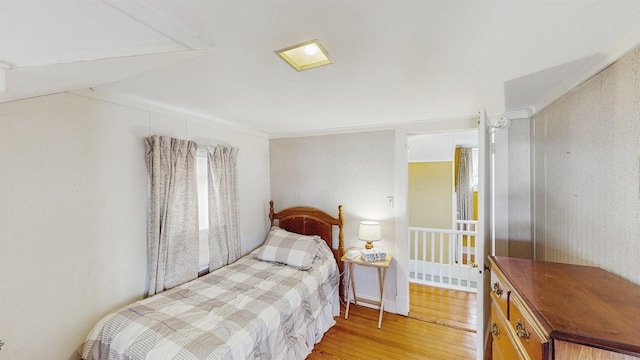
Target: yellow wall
{"type": "Point", "coordinates": [475, 205]}
{"type": "Point", "coordinates": [430, 194]}
{"type": "Point", "coordinates": [475, 217]}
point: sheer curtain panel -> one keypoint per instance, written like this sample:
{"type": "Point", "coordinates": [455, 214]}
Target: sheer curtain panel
{"type": "Point", "coordinates": [173, 212]}
{"type": "Point", "coordinates": [224, 234]}
{"type": "Point", "coordinates": [463, 184]}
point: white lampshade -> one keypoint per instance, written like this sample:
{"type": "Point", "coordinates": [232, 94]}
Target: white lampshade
{"type": "Point", "coordinates": [369, 231]}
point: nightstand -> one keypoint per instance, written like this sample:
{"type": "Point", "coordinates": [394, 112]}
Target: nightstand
{"type": "Point", "coordinates": [382, 267]}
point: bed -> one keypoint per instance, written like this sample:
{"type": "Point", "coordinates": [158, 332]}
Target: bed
{"type": "Point", "coordinates": [273, 303]}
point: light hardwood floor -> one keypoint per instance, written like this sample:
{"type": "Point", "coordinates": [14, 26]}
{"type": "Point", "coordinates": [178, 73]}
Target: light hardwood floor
{"type": "Point", "coordinates": [444, 307]}
{"type": "Point", "coordinates": [429, 332]}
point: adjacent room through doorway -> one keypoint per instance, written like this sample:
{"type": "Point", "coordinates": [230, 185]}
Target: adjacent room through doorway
{"type": "Point", "coordinates": [442, 203]}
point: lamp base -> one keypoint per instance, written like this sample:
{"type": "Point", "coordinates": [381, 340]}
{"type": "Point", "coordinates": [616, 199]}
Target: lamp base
{"type": "Point", "coordinates": [368, 245]}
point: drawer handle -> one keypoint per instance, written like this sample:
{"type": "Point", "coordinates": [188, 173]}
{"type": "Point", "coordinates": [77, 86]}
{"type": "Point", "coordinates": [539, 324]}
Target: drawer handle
{"type": "Point", "coordinates": [521, 330]}
{"type": "Point", "coordinates": [495, 330]}
{"type": "Point", "coordinates": [496, 289]}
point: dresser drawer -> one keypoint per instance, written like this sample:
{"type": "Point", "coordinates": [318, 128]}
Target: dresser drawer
{"type": "Point", "coordinates": [531, 337]}
{"type": "Point", "coordinates": [500, 292]}
{"type": "Point", "coordinates": [557, 311]}
{"type": "Point", "coordinates": [503, 345]}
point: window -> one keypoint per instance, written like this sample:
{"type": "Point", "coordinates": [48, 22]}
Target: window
{"type": "Point", "coordinates": [203, 208]}
{"type": "Point", "coordinates": [218, 165]}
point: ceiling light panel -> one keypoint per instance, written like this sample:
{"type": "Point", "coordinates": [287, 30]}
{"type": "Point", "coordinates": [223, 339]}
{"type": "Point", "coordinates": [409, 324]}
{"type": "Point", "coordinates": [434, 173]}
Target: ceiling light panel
{"type": "Point", "coordinates": [305, 56]}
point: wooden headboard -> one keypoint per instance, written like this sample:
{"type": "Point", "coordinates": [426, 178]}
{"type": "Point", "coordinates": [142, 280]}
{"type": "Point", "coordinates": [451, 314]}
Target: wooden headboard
{"type": "Point", "coordinates": [310, 221]}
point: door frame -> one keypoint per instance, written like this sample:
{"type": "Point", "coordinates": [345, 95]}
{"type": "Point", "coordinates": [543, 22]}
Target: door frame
{"type": "Point", "coordinates": [401, 209]}
{"type": "Point", "coordinates": [486, 228]}
{"type": "Point", "coordinates": [401, 195]}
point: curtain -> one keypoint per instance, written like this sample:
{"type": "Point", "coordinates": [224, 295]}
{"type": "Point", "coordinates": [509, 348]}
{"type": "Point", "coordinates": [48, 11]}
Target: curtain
{"type": "Point", "coordinates": [172, 229]}
{"type": "Point", "coordinates": [224, 234]}
{"type": "Point", "coordinates": [464, 171]}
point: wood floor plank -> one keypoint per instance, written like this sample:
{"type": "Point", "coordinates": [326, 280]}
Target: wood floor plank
{"type": "Point", "coordinates": [428, 333]}
{"type": "Point", "coordinates": [441, 306]}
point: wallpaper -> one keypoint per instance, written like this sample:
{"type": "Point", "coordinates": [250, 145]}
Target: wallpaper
{"type": "Point", "coordinates": [586, 157]}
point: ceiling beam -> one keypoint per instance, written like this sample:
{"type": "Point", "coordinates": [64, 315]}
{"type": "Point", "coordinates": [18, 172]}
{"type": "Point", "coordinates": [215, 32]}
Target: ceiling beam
{"type": "Point", "coordinates": [161, 21]}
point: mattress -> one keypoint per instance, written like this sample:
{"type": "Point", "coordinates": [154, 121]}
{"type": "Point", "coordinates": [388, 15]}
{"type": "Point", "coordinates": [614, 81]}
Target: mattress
{"type": "Point", "coordinates": [248, 309]}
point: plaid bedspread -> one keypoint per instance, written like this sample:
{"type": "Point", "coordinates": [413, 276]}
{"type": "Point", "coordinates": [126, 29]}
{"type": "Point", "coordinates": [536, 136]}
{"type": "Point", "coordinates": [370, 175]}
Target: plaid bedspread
{"type": "Point", "coordinates": [247, 310]}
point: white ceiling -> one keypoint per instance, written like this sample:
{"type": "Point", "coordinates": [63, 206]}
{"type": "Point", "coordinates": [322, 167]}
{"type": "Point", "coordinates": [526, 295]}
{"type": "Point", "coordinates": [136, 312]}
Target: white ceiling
{"type": "Point", "coordinates": [394, 61]}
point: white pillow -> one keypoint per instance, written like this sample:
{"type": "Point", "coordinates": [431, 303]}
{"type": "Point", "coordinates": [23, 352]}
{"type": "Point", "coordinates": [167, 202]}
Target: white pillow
{"type": "Point", "coordinates": [289, 248]}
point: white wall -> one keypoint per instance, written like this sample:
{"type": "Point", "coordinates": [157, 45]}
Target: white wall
{"type": "Point", "coordinates": [587, 173]}
{"type": "Point", "coordinates": [431, 148]}
{"type": "Point", "coordinates": [439, 146]}
{"type": "Point", "coordinates": [73, 192]}
{"type": "Point", "coordinates": [355, 170]}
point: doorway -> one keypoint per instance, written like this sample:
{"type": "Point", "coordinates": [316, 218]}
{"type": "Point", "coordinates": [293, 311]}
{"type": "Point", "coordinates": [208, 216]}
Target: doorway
{"type": "Point", "coordinates": [486, 225]}
{"type": "Point", "coordinates": [442, 182]}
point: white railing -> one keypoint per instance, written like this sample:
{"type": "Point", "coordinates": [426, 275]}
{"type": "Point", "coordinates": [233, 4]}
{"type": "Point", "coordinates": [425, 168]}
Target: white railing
{"type": "Point", "coordinates": [444, 258]}
{"type": "Point", "coordinates": [466, 225]}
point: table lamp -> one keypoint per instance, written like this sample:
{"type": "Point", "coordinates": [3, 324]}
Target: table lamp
{"type": "Point", "coordinates": [369, 232]}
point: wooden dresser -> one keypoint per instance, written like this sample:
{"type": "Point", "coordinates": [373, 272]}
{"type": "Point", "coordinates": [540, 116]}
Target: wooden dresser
{"type": "Point", "coordinates": [544, 310]}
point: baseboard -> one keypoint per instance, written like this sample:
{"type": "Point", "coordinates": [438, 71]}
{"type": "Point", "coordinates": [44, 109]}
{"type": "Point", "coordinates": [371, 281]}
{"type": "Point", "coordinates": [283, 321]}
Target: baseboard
{"type": "Point", "coordinates": [402, 306]}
